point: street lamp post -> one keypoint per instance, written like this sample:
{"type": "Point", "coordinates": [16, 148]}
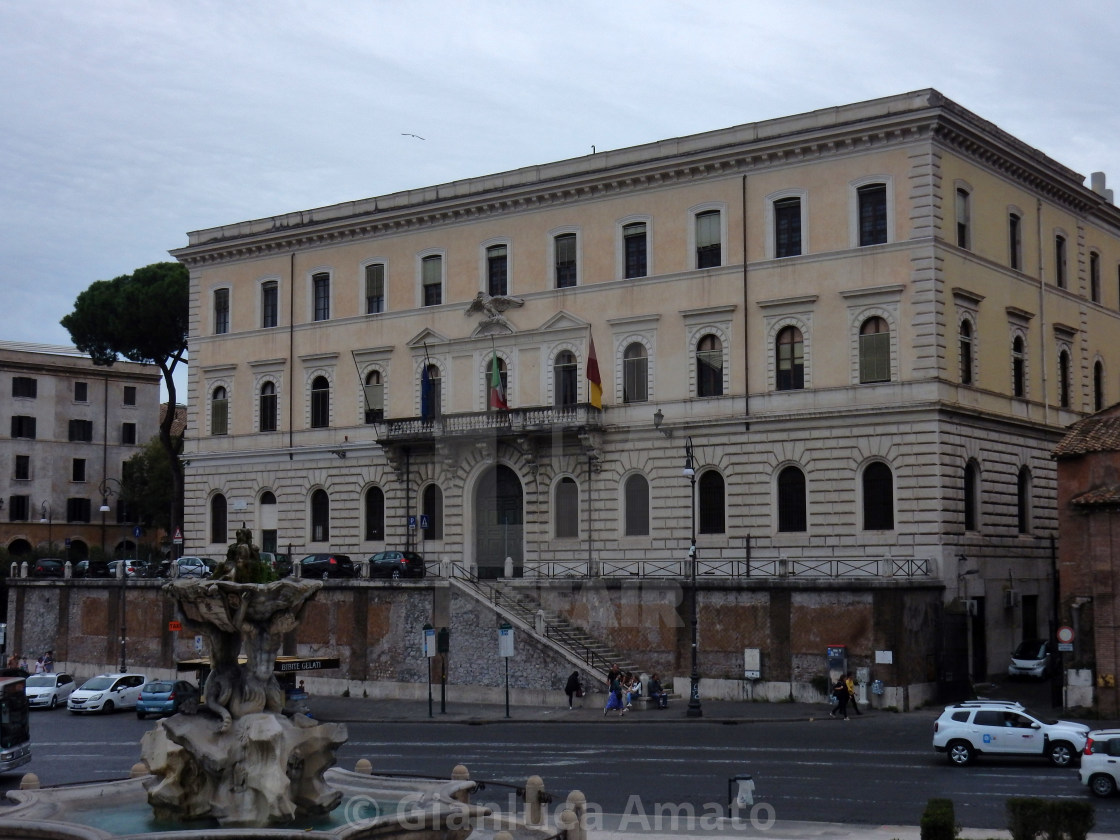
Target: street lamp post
{"type": "Point", "coordinates": [112, 487]}
{"type": "Point", "coordinates": [48, 520]}
{"type": "Point", "coordinates": [694, 709]}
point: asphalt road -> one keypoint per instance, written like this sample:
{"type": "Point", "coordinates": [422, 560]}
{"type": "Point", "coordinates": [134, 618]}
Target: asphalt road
{"type": "Point", "coordinates": [878, 769]}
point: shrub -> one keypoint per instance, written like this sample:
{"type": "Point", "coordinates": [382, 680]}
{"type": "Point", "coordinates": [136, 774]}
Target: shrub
{"type": "Point", "coordinates": [1025, 817]}
{"type": "Point", "coordinates": [938, 822]}
{"type": "Point", "coordinates": [1068, 819]}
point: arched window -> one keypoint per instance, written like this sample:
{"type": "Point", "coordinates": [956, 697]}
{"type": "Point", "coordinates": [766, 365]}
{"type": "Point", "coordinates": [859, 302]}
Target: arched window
{"type": "Point", "coordinates": [874, 351]}
{"type": "Point", "coordinates": [219, 412]}
{"type": "Point", "coordinates": [320, 403]}
{"type": "Point", "coordinates": [637, 506]}
{"type": "Point", "coordinates": [433, 509]}
{"type": "Point", "coordinates": [1023, 500]}
{"type": "Point", "coordinates": [878, 497]}
{"type": "Point", "coordinates": [375, 514]}
{"type": "Point", "coordinates": [566, 521]}
{"type": "Point", "coordinates": [790, 360]}
{"type": "Point", "coordinates": [267, 407]}
{"type": "Point", "coordinates": [374, 394]}
{"type": "Point", "coordinates": [320, 516]}
{"type": "Point", "coordinates": [709, 367]}
{"type": "Point", "coordinates": [1098, 386]}
{"type": "Point", "coordinates": [711, 512]}
{"type": "Point", "coordinates": [971, 496]}
{"type": "Point", "coordinates": [1018, 366]}
{"type": "Point", "coordinates": [431, 393]}
{"type": "Point", "coordinates": [966, 351]}
{"type": "Point", "coordinates": [268, 521]}
{"type": "Point", "coordinates": [791, 500]}
{"type": "Point", "coordinates": [218, 518]}
{"type": "Point", "coordinates": [497, 387]}
{"type": "Point", "coordinates": [1063, 378]}
{"type": "Point", "coordinates": [565, 378]}
{"type": "Point", "coordinates": [635, 374]}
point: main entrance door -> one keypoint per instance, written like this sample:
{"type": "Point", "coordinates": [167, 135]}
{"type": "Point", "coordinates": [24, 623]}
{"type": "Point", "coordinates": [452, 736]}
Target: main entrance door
{"type": "Point", "coordinates": [499, 516]}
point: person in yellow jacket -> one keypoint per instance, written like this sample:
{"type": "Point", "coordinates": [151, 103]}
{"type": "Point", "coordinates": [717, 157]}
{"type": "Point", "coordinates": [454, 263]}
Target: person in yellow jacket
{"type": "Point", "coordinates": [850, 684]}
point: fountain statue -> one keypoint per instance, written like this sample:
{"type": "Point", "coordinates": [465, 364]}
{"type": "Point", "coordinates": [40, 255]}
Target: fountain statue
{"type": "Point", "coordinates": [239, 760]}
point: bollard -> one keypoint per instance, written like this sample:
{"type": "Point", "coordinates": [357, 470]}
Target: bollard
{"type": "Point", "coordinates": [29, 782]}
{"type": "Point", "coordinates": [363, 766]}
{"type": "Point", "coordinates": [740, 793]}
{"type": "Point", "coordinates": [534, 785]}
{"type": "Point", "coordinates": [461, 774]}
{"type": "Point", "coordinates": [67, 570]}
{"type": "Point", "coordinates": [23, 569]}
{"type": "Point", "coordinates": [139, 769]}
{"type": "Point", "coordinates": [15, 570]}
{"type": "Point", "coordinates": [296, 569]}
{"type": "Point", "coordinates": [568, 824]}
{"type": "Point", "coordinates": [578, 804]}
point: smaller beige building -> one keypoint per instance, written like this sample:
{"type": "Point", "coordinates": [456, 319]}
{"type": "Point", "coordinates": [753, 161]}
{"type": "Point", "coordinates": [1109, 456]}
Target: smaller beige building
{"type": "Point", "coordinates": [68, 428]}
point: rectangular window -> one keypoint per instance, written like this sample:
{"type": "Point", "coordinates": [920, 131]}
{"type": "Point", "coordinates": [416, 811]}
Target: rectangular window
{"type": "Point", "coordinates": [321, 293]}
{"type": "Point", "coordinates": [375, 288]}
{"type": "Point", "coordinates": [1094, 277]}
{"type": "Point", "coordinates": [787, 227]}
{"type": "Point", "coordinates": [564, 247]}
{"type": "Point", "coordinates": [964, 219]}
{"type": "Point", "coordinates": [18, 508]}
{"type": "Point", "coordinates": [130, 395]}
{"type": "Point", "coordinates": [709, 252]}
{"type": "Point", "coordinates": [128, 434]}
{"type": "Point", "coordinates": [497, 270]}
{"type": "Point", "coordinates": [221, 311]}
{"type": "Point", "coordinates": [25, 386]}
{"type": "Point", "coordinates": [1015, 241]}
{"type": "Point", "coordinates": [23, 468]}
{"type": "Point", "coordinates": [23, 427]}
{"type": "Point", "coordinates": [431, 278]}
{"type": "Point", "coordinates": [1060, 261]}
{"type": "Point", "coordinates": [634, 246]}
{"type": "Point", "coordinates": [81, 392]}
{"type": "Point", "coordinates": [78, 469]}
{"type": "Point", "coordinates": [270, 304]}
{"type": "Point", "coordinates": [81, 431]}
{"type": "Point", "coordinates": [872, 214]}
{"type": "Point", "coordinates": [77, 510]}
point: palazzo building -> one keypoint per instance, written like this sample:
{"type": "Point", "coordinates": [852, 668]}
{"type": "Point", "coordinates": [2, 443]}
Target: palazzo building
{"type": "Point", "coordinates": [862, 329]}
{"type": "Point", "coordinates": [69, 427]}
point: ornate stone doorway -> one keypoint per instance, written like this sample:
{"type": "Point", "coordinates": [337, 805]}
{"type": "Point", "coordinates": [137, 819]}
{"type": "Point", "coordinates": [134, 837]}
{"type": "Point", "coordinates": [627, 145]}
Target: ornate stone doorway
{"type": "Point", "coordinates": [499, 517]}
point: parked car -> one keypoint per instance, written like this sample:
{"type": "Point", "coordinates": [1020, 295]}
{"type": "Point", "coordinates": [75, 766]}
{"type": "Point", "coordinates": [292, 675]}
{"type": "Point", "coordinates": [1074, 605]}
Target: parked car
{"type": "Point", "coordinates": [326, 566]}
{"type": "Point", "coordinates": [130, 568]}
{"type": "Point", "coordinates": [107, 693]}
{"type": "Point", "coordinates": [92, 569]}
{"type": "Point", "coordinates": [197, 567]}
{"type": "Point", "coordinates": [47, 567]}
{"type": "Point", "coordinates": [396, 564]}
{"type": "Point", "coordinates": [280, 563]}
{"type": "Point", "coordinates": [1100, 762]}
{"type": "Point", "coordinates": [1030, 659]}
{"type": "Point", "coordinates": [1004, 727]}
{"type": "Point", "coordinates": [45, 691]}
{"type": "Point", "coordinates": [166, 697]}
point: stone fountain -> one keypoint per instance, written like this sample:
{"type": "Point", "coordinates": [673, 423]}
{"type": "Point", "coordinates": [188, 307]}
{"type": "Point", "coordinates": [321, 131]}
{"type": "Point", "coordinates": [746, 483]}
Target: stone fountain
{"type": "Point", "coordinates": [240, 761]}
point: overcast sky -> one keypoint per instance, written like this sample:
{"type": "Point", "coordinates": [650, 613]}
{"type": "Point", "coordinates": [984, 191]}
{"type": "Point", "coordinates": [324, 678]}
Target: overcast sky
{"type": "Point", "coordinates": [127, 124]}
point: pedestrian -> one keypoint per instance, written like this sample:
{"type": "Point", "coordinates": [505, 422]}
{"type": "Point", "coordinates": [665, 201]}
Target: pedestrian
{"type": "Point", "coordinates": [657, 693]}
{"type": "Point", "coordinates": [48, 662]}
{"type": "Point", "coordinates": [840, 692]}
{"type": "Point", "coordinates": [573, 688]}
{"type": "Point", "coordinates": [13, 660]}
{"type": "Point", "coordinates": [614, 697]}
{"type": "Point", "coordinates": [23, 663]}
{"type": "Point", "coordinates": [850, 685]}
{"type": "Point", "coordinates": [39, 669]}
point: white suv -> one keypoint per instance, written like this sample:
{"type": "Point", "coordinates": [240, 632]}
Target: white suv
{"type": "Point", "coordinates": [1100, 763]}
{"type": "Point", "coordinates": [1004, 727]}
{"type": "Point", "coordinates": [107, 692]}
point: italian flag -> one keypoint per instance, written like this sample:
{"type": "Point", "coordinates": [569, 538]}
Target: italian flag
{"type": "Point", "coordinates": [497, 392]}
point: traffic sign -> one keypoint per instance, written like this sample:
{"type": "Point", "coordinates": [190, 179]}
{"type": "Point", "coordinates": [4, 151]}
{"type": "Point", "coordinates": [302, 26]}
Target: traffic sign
{"type": "Point", "coordinates": [137, 531]}
{"type": "Point", "coordinates": [174, 626]}
{"type": "Point", "coordinates": [412, 523]}
{"type": "Point", "coordinates": [424, 522]}
{"type": "Point", "coordinates": [178, 538]}
{"type": "Point", "coordinates": [1065, 634]}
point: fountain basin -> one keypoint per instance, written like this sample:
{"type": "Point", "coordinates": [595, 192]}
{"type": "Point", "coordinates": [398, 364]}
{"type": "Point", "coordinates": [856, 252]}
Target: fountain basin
{"type": "Point", "coordinates": [372, 806]}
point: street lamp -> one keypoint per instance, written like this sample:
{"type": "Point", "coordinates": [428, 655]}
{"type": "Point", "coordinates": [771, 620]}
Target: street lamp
{"type": "Point", "coordinates": [112, 487]}
{"type": "Point", "coordinates": [689, 472]}
{"type": "Point", "coordinates": [48, 520]}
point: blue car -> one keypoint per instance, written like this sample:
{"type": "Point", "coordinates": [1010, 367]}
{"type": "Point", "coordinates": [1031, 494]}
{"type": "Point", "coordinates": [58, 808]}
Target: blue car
{"type": "Point", "coordinates": [166, 697]}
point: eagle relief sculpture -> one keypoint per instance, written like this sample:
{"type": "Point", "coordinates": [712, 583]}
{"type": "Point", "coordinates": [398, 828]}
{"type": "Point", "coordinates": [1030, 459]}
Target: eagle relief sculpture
{"type": "Point", "coordinates": [492, 306]}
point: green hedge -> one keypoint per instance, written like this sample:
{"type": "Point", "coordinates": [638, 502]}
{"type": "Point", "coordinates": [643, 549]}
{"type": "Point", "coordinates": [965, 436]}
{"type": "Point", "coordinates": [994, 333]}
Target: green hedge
{"type": "Point", "coordinates": [1053, 819]}
{"type": "Point", "coordinates": [938, 821]}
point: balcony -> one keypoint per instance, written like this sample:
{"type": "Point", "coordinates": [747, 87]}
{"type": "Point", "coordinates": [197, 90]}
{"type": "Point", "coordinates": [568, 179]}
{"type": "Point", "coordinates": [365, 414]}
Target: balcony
{"type": "Point", "coordinates": [519, 422]}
